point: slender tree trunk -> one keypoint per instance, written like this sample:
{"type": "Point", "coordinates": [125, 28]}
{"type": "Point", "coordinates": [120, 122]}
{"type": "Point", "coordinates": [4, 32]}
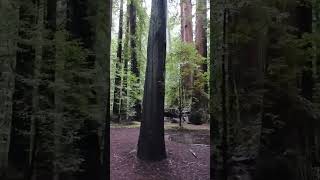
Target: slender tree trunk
{"type": "Point", "coordinates": [106, 144]}
{"type": "Point", "coordinates": [151, 144]}
{"type": "Point", "coordinates": [117, 93]}
{"type": "Point", "coordinates": [55, 16]}
{"type": "Point", "coordinates": [214, 123]}
{"type": "Point", "coordinates": [22, 97]}
{"type": "Point", "coordinates": [168, 40]}
{"type": "Point", "coordinates": [134, 61]}
{"type": "Point", "coordinates": [34, 135]}
{"type": "Point", "coordinates": [316, 75]}
{"type": "Point", "coordinates": [126, 55]}
{"type": "Point", "coordinates": [304, 25]}
{"type": "Point", "coordinates": [224, 99]}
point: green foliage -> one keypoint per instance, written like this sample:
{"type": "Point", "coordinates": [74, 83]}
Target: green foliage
{"type": "Point", "coordinates": [181, 53]}
{"type": "Point", "coordinates": [134, 84]}
{"type": "Point", "coordinates": [113, 58]}
{"type": "Point", "coordinates": [136, 92]}
{"type": "Point", "coordinates": [71, 58]}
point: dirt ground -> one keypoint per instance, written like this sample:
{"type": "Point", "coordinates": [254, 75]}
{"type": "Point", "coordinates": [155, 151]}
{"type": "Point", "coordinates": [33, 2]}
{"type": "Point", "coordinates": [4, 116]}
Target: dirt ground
{"type": "Point", "coordinates": [187, 151]}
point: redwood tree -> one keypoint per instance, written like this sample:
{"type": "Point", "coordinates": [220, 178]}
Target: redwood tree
{"type": "Point", "coordinates": [199, 86]}
{"type": "Point", "coordinates": [151, 144]}
{"type": "Point", "coordinates": [186, 37]}
{"type": "Point", "coordinates": [186, 21]}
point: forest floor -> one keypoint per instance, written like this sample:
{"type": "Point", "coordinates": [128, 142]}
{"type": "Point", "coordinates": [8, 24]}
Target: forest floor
{"type": "Point", "coordinates": [188, 153]}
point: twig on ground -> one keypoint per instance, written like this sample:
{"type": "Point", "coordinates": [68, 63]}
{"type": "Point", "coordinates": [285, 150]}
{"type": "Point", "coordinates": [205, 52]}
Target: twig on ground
{"type": "Point", "coordinates": [193, 153]}
{"type": "Point", "coordinates": [133, 151]}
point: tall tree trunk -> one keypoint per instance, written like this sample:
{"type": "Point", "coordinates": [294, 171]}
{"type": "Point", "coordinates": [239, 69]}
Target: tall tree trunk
{"type": "Point", "coordinates": [34, 129]}
{"type": "Point", "coordinates": [107, 40]}
{"type": "Point", "coordinates": [304, 25]}
{"type": "Point", "coordinates": [102, 64]}
{"type": "Point", "coordinates": [186, 21]}
{"type": "Point", "coordinates": [217, 95]}
{"type": "Point", "coordinates": [214, 123]}
{"type": "Point", "coordinates": [134, 61]}
{"type": "Point", "coordinates": [8, 31]}
{"type": "Point", "coordinates": [117, 84]}
{"type": "Point", "coordinates": [186, 37]}
{"type": "Point", "coordinates": [56, 14]}
{"type": "Point", "coordinates": [316, 75]}
{"type": "Point", "coordinates": [151, 144]}
{"type": "Point", "coordinates": [22, 97]}
{"type": "Point", "coordinates": [304, 18]}
{"type": "Point", "coordinates": [224, 118]}
{"type": "Point", "coordinates": [83, 25]}
{"type": "Point", "coordinates": [42, 161]}
{"type": "Point", "coordinates": [201, 31]}
{"type": "Point", "coordinates": [126, 56]}
{"type": "Point", "coordinates": [199, 100]}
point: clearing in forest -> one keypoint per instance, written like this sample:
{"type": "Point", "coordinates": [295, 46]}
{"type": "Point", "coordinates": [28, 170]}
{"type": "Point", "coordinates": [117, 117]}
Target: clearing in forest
{"type": "Point", "coordinates": [187, 154]}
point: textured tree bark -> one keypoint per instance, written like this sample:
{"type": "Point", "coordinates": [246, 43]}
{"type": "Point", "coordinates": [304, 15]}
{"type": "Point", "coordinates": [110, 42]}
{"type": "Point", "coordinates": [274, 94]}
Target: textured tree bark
{"type": "Point", "coordinates": [186, 37]}
{"type": "Point", "coordinates": [134, 62]}
{"type": "Point", "coordinates": [201, 30]}
{"type": "Point", "coordinates": [117, 89]}
{"type": "Point", "coordinates": [151, 144]}
{"type": "Point", "coordinates": [186, 21]}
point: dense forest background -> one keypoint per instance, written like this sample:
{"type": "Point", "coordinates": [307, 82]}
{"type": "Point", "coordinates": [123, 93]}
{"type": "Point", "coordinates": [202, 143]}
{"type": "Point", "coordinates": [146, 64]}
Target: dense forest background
{"type": "Point", "coordinates": [185, 56]}
{"type": "Point", "coordinates": [265, 65]}
{"type": "Point", "coordinates": [250, 68]}
{"type": "Point", "coordinates": [54, 89]}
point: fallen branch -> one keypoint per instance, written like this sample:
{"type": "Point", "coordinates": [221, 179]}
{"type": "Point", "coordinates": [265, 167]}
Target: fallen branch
{"type": "Point", "coordinates": [193, 153]}
{"type": "Point", "coordinates": [204, 145]}
{"type": "Point", "coordinates": [133, 151]}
